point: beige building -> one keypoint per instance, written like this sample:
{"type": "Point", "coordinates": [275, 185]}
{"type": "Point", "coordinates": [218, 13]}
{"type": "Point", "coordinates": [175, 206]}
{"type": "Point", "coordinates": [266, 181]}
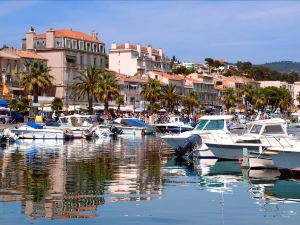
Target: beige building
{"type": "Point", "coordinates": [12, 65]}
{"type": "Point", "coordinates": [132, 59]}
{"type": "Point", "coordinates": [68, 53]}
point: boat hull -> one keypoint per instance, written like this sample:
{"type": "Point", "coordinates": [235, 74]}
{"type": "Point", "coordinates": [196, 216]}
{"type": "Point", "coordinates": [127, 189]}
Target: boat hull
{"type": "Point", "coordinates": [287, 160]}
{"type": "Point", "coordinates": [40, 134]}
{"type": "Point", "coordinates": [229, 151]}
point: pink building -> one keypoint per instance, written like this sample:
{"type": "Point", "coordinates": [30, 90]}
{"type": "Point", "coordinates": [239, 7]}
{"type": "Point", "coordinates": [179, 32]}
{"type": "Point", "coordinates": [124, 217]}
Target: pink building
{"type": "Point", "coordinates": [132, 59]}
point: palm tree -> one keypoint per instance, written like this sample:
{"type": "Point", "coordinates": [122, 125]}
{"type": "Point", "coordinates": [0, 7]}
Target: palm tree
{"type": "Point", "coordinates": [120, 101]}
{"type": "Point", "coordinates": [190, 101]}
{"type": "Point", "coordinates": [36, 79]}
{"type": "Point", "coordinates": [107, 89]}
{"type": "Point", "coordinates": [151, 91]}
{"type": "Point", "coordinates": [57, 104]}
{"type": "Point", "coordinates": [170, 97]}
{"type": "Point", "coordinates": [85, 85]}
{"type": "Point", "coordinates": [258, 99]}
{"type": "Point", "coordinates": [229, 98]}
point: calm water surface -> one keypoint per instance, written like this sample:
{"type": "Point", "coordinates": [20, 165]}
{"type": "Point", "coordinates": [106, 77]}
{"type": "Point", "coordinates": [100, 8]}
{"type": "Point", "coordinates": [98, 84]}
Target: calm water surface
{"type": "Point", "coordinates": [135, 180]}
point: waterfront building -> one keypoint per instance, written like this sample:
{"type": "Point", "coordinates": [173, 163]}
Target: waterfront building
{"type": "Point", "coordinates": [236, 82]}
{"type": "Point", "coordinates": [68, 53]}
{"type": "Point", "coordinates": [165, 79]}
{"type": "Point", "coordinates": [131, 59]}
{"type": "Point", "coordinates": [203, 84]}
{"type": "Point", "coordinates": [296, 92]}
{"type": "Point", "coordinates": [12, 65]}
{"type": "Point", "coordinates": [131, 88]}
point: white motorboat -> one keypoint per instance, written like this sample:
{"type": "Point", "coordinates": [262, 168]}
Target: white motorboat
{"type": "Point", "coordinates": [261, 135]}
{"type": "Point", "coordinates": [175, 125]}
{"type": "Point", "coordinates": [285, 157]}
{"type": "Point", "coordinates": [37, 131]}
{"type": "Point", "coordinates": [76, 124]}
{"type": "Point", "coordinates": [209, 127]}
{"type": "Point", "coordinates": [130, 126]}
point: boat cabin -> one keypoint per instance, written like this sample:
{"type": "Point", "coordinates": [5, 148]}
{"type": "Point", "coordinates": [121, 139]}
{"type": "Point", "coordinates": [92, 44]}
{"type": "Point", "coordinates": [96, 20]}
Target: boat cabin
{"type": "Point", "coordinates": [76, 120]}
{"type": "Point", "coordinates": [215, 122]}
{"type": "Point", "coordinates": [270, 127]}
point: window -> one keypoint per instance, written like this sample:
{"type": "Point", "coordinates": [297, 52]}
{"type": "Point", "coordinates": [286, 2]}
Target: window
{"type": "Point", "coordinates": [95, 61]}
{"type": "Point", "coordinates": [74, 44]}
{"type": "Point", "coordinates": [88, 46]}
{"type": "Point", "coordinates": [215, 125]}
{"type": "Point", "coordinates": [255, 129]}
{"type": "Point", "coordinates": [201, 125]}
{"type": "Point", "coordinates": [81, 45]}
{"type": "Point", "coordinates": [68, 43]}
{"type": "Point", "coordinates": [16, 70]}
{"type": "Point", "coordinates": [8, 68]}
{"type": "Point", "coordinates": [273, 129]}
{"type": "Point", "coordinates": [81, 60]}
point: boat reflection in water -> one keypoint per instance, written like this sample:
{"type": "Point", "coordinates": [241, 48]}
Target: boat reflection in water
{"type": "Point", "coordinates": [70, 180]}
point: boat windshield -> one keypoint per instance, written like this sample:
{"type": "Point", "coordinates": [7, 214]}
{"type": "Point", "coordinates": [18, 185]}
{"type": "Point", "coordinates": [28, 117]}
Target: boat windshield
{"type": "Point", "coordinates": [210, 125]}
{"type": "Point", "coordinates": [201, 125]}
{"type": "Point", "coordinates": [255, 129]}
{"type": "Point", "coordinates": [273, 129]}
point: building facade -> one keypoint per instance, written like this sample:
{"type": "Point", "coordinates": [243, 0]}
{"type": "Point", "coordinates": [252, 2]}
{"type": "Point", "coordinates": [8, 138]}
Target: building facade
{"type": "Point", "coordinates": [12, 64]}
{"type": "Point", "coordinates": [132, 59]}
{"type": "Point", "coordinates": [68, 53]}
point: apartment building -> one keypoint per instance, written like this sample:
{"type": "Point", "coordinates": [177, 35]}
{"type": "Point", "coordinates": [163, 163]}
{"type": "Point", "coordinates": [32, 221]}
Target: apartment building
{"type": "Point", "coordinates": [203, 85]}
{"type": "Point", "coordinates": [12, 65]}
{"type": "Point", "coordinates": [132, 59]}
{"type": "Point", "coordinates": [68, 53]}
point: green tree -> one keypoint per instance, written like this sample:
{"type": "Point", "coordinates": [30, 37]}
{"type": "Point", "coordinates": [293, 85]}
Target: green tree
{"type": "Point", "coordinates": [170, 97]}
{"type": "Point", "coordinates": [13, 104]}
{"type": "Point", "coordinates": [120, 101]}
{"type": "Point", "coordinates": [190, 102]}
{"type": "Point", "coordinates": [210, 63]}
{"type": "Point", "coordinates": [229, 98]}
{"type": "Point", "coordinates": [108, 89]}
{"type": "Point", "coordinates": [258, 99]}
{"type": "Point", "coordinates": [57, 104]}
{"type": "Point", "coordinates": [36, 79]}
{"type": "Point", "coordinates": [23, 105]}
{"type": "Point", "coordinates": [85, 85]}
{"type": "Point", "coordinates": [151, 91]}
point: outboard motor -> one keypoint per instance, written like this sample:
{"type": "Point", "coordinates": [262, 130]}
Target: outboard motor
{"type": "Point", "coordinates": [189, 145]}
{"type": "Point", "coordinates": [115, 131]}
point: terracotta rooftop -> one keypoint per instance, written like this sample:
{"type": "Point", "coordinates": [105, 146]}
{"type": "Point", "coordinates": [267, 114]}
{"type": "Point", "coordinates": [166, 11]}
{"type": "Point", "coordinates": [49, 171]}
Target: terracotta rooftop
{"type": "Point", "coordinates": [128, 78]}
{"type": "Point", "coordinates": [71, 34]}
{"type": "Point", "coordinates": [169, 76]}
{"type": "Point", "coordinates": [29, 55]}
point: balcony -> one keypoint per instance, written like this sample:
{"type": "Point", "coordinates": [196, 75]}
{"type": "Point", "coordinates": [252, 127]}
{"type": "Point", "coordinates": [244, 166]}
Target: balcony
{"type": "Point", "coordinates": [70, 65]}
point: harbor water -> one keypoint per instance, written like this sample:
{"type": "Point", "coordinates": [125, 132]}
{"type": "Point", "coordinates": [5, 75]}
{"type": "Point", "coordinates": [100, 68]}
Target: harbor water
{"type": "Point", "coordinates": [135, 180]}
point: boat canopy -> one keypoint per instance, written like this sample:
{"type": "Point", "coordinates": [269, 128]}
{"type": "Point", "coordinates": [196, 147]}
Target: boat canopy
{"type": "Point", "coordinates": [35, 125]}
{"type": "Point", "coordinates": [217, 117]}
{"type": "Point", "coordinates": [131, 122]}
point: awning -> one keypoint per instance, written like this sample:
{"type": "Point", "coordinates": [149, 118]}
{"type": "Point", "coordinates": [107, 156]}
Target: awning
{"type": "Point", "coordinates": [15, 89]}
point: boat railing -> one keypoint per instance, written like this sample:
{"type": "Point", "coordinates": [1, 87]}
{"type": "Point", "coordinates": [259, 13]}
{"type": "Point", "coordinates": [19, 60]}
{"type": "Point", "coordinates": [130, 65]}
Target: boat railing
{"type": "Point", "coordinates": [282, 141]}
{"type": "Point", "coordinates": [216, 136]}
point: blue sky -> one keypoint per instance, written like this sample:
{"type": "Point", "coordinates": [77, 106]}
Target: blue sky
{"type": "Point", "coordinates": [233, 30]}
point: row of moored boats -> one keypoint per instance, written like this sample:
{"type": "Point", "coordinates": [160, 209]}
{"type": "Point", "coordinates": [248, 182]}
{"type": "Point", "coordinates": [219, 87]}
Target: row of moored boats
{"type": "Point", "coordinates": [264, 144]}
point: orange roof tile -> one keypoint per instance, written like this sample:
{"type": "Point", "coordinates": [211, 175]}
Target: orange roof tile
{"type": "Point", "coordinates": [128, 78]}
{"type": "Point", "coordinates": [193, 80]}
{"type": "Point", "coordinates": [169, 76]}
{"type": "Point", "coordinates": [71, 34]}
{"type": "Point", "coordinates": [30, 55]}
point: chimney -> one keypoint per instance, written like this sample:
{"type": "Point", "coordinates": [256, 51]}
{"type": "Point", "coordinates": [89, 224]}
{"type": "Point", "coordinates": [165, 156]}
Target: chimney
{"type": "Point", "coordinates": [138, 48]}
{"type": "Point", "coordinates": [113, 45]}
{"type": "Point", "coordinates": [149, 50]}
{"type": "Point", "coordinates": [160, 52]}
{"type": "Point", "coordinates": [126, 44]}
{"type": "Point", "coordinates": [95, 34]}
{"type": "Point", "coordinates": [50, 38]}
{"type": "Point", "coordinates": [29, 38]}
